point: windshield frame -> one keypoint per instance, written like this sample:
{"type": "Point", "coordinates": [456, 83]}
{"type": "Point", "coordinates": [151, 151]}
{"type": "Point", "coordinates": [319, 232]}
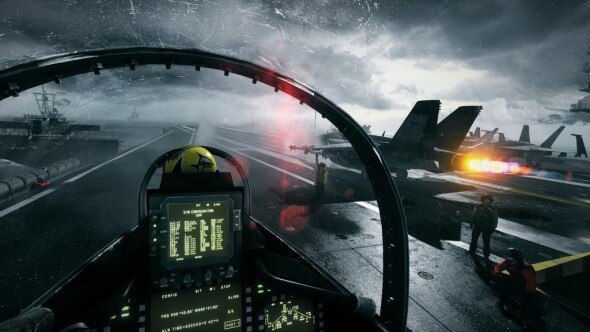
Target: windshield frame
{"type": "Point", "coordinates": [395, 291]}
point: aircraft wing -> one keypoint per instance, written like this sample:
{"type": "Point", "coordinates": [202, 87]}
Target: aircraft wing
{"type": "Point", "coordinates": [525, 148]}
{"type": "Point", "coordinates": [487, 136]}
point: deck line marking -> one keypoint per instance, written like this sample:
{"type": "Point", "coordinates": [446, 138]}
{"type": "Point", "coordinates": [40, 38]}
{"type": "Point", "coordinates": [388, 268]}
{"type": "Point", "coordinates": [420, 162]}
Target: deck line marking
{"type": "Point", "coordinates": [456, 179]}
{"type": "Point", "coordinates": [463, 245]}
{"type": "Point", "coordinates": [252, 141]}
{"type": "Point", "coordinates": [179, 127]}
{"type": "Point", "coordinates": [368, 206]}
{"type": "Point", "coordinates": [247, 131]}
{"type": "Point", "coordinates": [361, 203]}
{"type": "Point", "coordinates": [26, 201]}
{"type": "Point", "coordinates": [50, 190]}
{"type": "Point", "coordinates": [193, 135]}
{"type": "Point", "coordinates": [573, 183]}
{"type": "Point", "coordinates": [77, 177]}
{"type": "Point", "coordinates": [288, 159]}
{"type": "Point", "coordinates": [184, 129]}
{"type": "Point", "coordinates": [269, 165]}
{"type": "Point", "coordinates": [549, 240]}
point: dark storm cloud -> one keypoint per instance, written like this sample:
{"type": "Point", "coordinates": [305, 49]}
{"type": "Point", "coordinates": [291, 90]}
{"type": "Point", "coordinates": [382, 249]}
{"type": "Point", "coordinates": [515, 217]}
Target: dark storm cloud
{"type": "Point", "coordinates": [273, 34]}
{"type": "Point", "coordinates": [540, 44]}
{"type": "Point", "coordinates": [537, 45]}
{"type": "Point", "coordinates": [567, 118]}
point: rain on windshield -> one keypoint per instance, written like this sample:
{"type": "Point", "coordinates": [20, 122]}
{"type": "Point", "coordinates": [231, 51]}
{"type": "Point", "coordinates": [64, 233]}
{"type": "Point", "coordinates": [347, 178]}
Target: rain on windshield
{"type": "Point", "coordinates": [506, 164]}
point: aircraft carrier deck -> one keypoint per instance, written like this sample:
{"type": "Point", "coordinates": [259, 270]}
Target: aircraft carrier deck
{"type": "Point", "coordinates": [546, 218]}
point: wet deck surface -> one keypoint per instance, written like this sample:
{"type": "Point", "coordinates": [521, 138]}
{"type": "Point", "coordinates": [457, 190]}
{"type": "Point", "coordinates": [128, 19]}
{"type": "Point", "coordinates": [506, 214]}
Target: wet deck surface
{"type": "Point", "coordinates": [546, 219]}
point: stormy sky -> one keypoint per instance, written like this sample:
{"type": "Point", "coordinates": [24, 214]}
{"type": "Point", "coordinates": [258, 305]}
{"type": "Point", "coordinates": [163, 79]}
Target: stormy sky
{"type": "Point", "coordinates": [521, 60]}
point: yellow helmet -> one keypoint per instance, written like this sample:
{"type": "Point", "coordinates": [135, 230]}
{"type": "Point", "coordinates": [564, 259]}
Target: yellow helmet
{"type": "Point", "coordinates": [194, 159]}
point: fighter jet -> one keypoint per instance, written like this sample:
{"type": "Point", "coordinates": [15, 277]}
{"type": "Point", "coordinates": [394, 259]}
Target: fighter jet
{"type": "Point", "coordinates": [418, 144]}
{"type": "Point", "coordinates": [477, 138]}
{"type": "Point", "coordinates": [522, 150]}
{"type": "Point", "coordinates": [578, 164]}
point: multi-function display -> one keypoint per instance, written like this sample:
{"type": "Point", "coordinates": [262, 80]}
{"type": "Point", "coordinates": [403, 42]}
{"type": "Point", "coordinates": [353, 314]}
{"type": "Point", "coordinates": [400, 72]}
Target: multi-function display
{"type": "Point", "coordinates": [210, 308]}
{"type": "Point", "coordinates": [295, 315]}
{"type": "Point", "coordinates": [197, 230]}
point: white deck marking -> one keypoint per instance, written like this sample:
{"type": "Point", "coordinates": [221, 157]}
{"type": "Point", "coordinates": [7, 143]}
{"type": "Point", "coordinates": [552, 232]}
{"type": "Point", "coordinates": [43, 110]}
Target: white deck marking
{"type": "Point", "coordinates": [288, 159]}
{"type": "Point", "coordinates": [184, 129]}
{"type": "Point", "coordinates": [26, 201]}
{"type": "Point", "coordinates": [572, 183]}
{"type": "Point", "coordinates": [456, 179]}
{"type": "Point", "coordinates": [77, 177]}
{"type": "Point", "coordinates": [463, 245]}
{"type": "Point", "coordinates": [252, 140]}
{"type": "Point", "coordinates": [361, 203]}
{"type": "Point", "coordinates": [247, 131]}
{"type": "Point", "coordinates": [549, 240]}
{"type": "Point", "coordinates": [193, 135]}
{"type": "Point", "coordinates": [368, 206]}
{"type": "Point", "coordinates": [301, 178]}
{"type": "Point", "coordinates": [50, 190]}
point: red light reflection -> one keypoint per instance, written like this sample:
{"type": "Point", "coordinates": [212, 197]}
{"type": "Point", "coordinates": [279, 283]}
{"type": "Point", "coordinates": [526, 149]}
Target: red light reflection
{"type": "Point", "coordinates": [294, 218]}
{"type": "Point", "coordinates": [285, 183]}
{"type": "Point", "coordinates": [349, 192]}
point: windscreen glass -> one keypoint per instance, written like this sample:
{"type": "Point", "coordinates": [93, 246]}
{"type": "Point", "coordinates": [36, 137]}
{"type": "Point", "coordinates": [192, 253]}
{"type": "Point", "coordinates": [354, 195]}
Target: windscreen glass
{"type": "Point", "coordinates": [500, 162]}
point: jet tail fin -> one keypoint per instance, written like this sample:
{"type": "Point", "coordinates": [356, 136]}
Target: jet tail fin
{"type": "Point", "coordinates": [524, 134]}
{"type": "Point", "coordinates": [477, 132]}
{"type": "Point", "coordinates": [487, 136]}
{"type": "Point", "coordinates": [501, 137]}
{"type": "Point", "coordinates": [551, 139]}
{"type": "Point", "coordinates": [580, 147]}
{"type": "Point", "coordinates": [451, 131]}
{"type": "Point", "coordinates": [419, 128]}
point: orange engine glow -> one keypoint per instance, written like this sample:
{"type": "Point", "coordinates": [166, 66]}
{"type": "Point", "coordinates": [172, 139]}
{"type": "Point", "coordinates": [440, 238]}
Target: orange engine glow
{"type": "Point", "coordinates": [492, 166]}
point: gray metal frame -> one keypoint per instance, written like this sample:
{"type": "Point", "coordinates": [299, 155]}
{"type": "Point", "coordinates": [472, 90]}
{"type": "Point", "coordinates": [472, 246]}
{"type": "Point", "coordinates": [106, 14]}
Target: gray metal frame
{"type": "Point", "coordinates": [394, 304]}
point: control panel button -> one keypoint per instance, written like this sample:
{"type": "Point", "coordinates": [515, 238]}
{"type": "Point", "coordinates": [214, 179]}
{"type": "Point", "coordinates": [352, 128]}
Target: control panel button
{"type": "Point", "coordinates": [164, 281]}
{"type": "Point", "coordinates": [230, 271]}
{"type": "Point", "coordinates": [154, 248]}
{"type": "Point", "coordinates": [208, 275]}
{"type": "Point", "coordinates": [187, 277]}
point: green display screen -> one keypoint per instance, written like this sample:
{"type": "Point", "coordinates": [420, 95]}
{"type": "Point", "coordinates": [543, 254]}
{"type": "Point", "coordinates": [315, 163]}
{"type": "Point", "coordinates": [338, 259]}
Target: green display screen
{"type": "Point", "coordinates": [197, 230]}
{"type": "Point", "coordinates": [209, 308]}
{"type": "Point", "coordinates": [290, 315]}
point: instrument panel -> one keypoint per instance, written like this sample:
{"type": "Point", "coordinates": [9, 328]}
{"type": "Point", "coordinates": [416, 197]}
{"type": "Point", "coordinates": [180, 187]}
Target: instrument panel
{"type": "Point", "coordinates": [233, 306]}
{"type": "Point", "coordinates": [210, 308]}
{"type": "Point", "coordinates": [196, 284]}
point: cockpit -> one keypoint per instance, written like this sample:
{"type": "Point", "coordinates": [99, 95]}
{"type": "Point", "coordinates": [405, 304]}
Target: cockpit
{"type": "Point", "coordinates": [215, 247]}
